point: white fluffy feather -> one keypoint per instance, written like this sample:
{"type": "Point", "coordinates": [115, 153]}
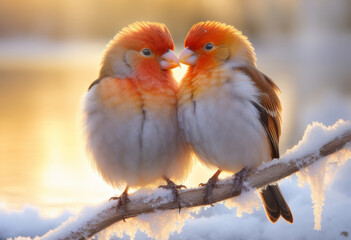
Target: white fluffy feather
{"type": "Point", "coordinates": [113, 139]}
{"type": "Point", "coordinates": [224, 128]}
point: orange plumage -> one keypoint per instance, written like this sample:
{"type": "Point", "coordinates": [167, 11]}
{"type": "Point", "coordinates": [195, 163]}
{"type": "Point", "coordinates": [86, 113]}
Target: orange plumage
{"type": "Point", "coordinates": [131, 110]}
{"type": "Point", "coordinates": [228, 41]}
{"type": "Point", "coordinates": [229, 111]}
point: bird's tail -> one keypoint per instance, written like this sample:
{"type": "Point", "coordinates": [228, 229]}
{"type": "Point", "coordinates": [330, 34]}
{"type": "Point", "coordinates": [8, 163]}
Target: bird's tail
{"type": "Point", "coordinates": [275, 204]}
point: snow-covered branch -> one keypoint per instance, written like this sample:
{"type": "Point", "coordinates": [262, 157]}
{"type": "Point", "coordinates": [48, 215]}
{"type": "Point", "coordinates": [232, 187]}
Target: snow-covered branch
{"type": "Point", "coordinates": [91, 222]}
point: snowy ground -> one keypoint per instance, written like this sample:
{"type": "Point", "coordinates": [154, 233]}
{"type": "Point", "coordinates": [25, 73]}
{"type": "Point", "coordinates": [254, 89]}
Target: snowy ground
{"type": "Point", "coordinates": [332, 194]}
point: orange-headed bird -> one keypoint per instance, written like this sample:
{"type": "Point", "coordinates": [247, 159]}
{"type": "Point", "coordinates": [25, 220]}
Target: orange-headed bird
{"type": "Point", "coordinates": [228, 110]}
{"type": "Point", "coordinates": [130, 112]}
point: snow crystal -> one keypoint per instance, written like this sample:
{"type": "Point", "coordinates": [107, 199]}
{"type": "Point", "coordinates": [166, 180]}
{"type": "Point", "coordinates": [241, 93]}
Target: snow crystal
{"type": "Point", "coordinates": [157, 225]}
{"type": "Point", "coordinates": [315, 136]}
{"type": "Point", "coordinates": [320, 174]}
{"type": "Point", "coordinates": [74, 223]}
{"type": "Point", "coordinates": [246, 202]}
{"type": "Point", "coordinates": [161, 224]}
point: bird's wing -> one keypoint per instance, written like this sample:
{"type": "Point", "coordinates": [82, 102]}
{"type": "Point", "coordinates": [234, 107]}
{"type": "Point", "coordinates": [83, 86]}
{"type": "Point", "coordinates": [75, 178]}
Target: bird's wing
{"type": "Point", "coordinates": [269, 106]}
{"type": "Point", "coordinates": [94, 83]}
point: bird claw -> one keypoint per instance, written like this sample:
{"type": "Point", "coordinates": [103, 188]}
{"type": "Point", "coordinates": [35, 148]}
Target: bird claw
{"type": "Point", "coordinates": [174, 187]}
{"type": "Point", "coordinates": [239, 179]}
{"type": "Point", "coordinates": [207, 193]}
{"type": "Point", "coordinates": [122, 203]}
{"type": "Point", "coordinates": [113, 198]}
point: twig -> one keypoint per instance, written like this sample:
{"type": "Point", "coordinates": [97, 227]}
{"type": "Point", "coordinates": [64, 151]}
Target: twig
{"type": "Point", "coordinates": [194, 197]}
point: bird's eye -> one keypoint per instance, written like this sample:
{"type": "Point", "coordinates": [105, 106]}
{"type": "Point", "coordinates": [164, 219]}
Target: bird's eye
{"type": "Point", "coordinates": [209, 46]}
{"type": "Point", "coordinates": [146, 52]}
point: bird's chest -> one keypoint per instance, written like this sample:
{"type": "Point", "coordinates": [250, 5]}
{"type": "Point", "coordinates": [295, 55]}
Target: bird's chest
{"type": "Point", "coordinates": [128, 100]}
{"type": "Point", "coordinates": [217, 113]}
{"type": "Point", "coordinates": [133, 119]}
{"type": "Point", "coordinates": [131, 128]}
{"type": "Point", "coordinates": [222, 125]}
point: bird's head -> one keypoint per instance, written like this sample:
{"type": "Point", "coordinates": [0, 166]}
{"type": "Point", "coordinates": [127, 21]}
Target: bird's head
{"type": "Point", "coordinates": [142, 48]}
{"type": "Point", "coordinates": [209, 44]}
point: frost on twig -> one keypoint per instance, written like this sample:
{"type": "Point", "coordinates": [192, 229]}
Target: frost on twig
{"type": "Point", "coordinates": [319, 142]}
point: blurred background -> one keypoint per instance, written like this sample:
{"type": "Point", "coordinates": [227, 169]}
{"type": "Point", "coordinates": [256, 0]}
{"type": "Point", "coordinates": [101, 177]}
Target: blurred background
{"type": "Point", "coordinates": [50, 53]}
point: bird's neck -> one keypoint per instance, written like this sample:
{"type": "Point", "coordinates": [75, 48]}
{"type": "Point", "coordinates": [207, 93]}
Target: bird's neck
{"type": "Point", "coordinates": [151, 76]}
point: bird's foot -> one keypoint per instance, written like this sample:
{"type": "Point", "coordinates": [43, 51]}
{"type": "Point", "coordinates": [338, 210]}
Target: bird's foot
{"type": "Point", "coordinates": [207, 193]}
{"type": "Point", "coordinates": [122, 202]}
{"type": "Point", "coordinates": [174, 187]}
{"type": "Point", "coordinates": [239, 179]}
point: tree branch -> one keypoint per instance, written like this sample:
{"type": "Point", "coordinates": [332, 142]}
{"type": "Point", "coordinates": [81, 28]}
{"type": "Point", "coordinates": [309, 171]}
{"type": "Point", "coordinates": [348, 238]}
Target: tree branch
{"type": "Point", "coordinates": [107, 214]}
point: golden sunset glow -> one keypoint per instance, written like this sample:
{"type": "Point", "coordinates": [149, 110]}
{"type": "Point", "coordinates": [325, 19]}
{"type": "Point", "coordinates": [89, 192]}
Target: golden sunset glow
{"type": "Point", "coordinates": [50, 53]}
{"type": "Point", "coordinates": [179, 72]}
{"type": "Point", "coordinates": [44, 161]}
{"type": "Point", "coordinates": [42, 148]}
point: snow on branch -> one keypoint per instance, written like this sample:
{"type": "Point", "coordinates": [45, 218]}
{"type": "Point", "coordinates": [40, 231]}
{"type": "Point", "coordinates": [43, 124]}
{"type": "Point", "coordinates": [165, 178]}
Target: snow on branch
{"type": "Point", "coordinates": [318, 142]}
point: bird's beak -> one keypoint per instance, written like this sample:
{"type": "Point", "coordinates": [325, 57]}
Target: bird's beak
{"type": "Point", "coordinates": [188, 57]}
{"type": "Point", "coordinates": [169, 60]}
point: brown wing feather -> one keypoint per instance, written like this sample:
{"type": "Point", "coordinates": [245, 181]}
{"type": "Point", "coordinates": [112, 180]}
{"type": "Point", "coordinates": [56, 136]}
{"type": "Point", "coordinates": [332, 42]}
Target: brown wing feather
{"type": "Point", "coordinates": [94, 83]}
{"type": "Point", "coordinates": [269, 108]}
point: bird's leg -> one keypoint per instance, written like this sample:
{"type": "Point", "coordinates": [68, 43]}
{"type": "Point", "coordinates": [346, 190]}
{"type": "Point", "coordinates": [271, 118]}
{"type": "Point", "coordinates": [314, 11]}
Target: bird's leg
{"type": "Point", "coordinates": [122, 202]}
{"type": "Point", "coordinates": [171, 185]}
{"type": "Point", "coordinates": [239, 179]}
{"type": "Point", "coordinates": [207, 194]}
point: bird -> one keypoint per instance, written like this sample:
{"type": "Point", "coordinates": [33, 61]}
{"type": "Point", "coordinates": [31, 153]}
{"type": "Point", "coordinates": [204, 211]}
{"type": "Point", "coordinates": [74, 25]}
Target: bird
{"type": "Point", "coordinates": [130, 113]}
{"type": "Point", "coordinates": [229, 111]}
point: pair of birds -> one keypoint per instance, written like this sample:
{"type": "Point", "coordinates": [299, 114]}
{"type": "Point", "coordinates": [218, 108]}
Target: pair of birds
{"type": "Point", "coordinates": [140, 125]}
